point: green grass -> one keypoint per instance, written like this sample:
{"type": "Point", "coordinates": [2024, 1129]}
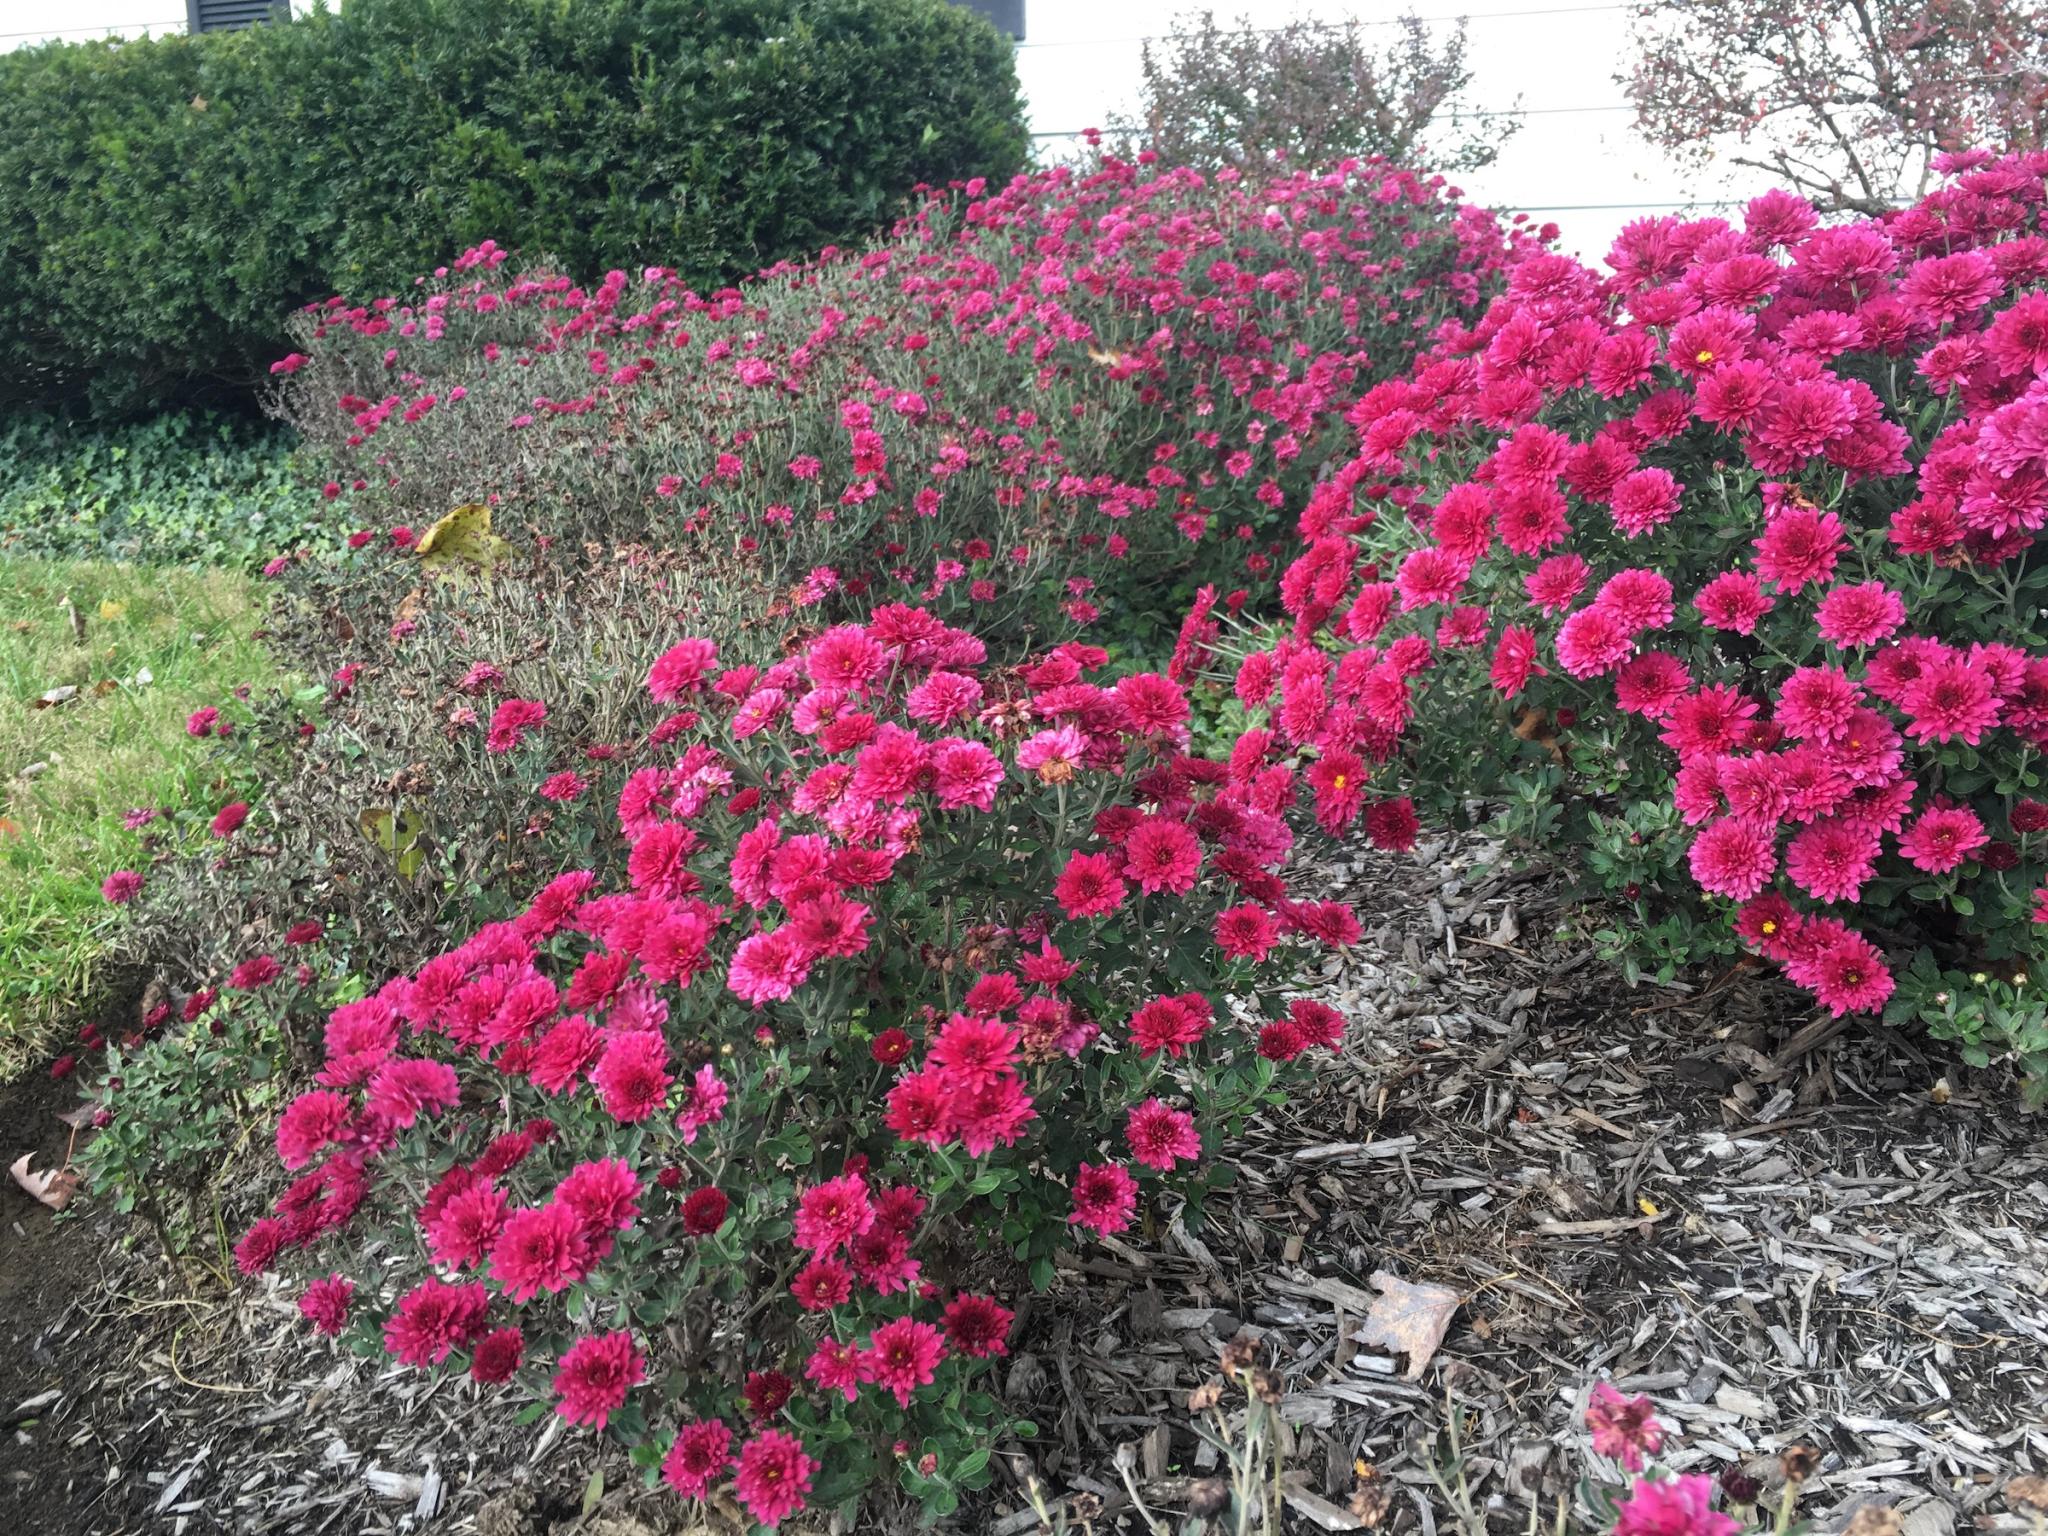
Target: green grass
{"type": "Point", "coordinates": [157, 643]}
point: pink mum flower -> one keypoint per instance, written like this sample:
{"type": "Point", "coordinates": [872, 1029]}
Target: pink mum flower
{"type": "Point", "coordinates": [594, 1376]}
{"type": "Point", "coordinates": [1105, 1197]}
{"type": "Point", "coordinates": [325, 1304]}
{"type": "Point", "coordinates": [1159, 1135]}
{"type": "Point", "coordinates": [773, 1480]}
{"type": "Point", "coordinates": [1943, 838]}
{"type": "Point", "coordinates": [903, 1355]}
{"type": "Point", "coordinates": [1623, 1427]}
{"type": "Point", "coordinates": [1673, 1506]}
{"type": "Point", "coordinates": [699, 1457]}
{"type": "Point", "coordinates": [1734, 858]}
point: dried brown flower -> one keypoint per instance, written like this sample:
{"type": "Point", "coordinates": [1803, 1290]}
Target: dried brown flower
{"type": "Point", "coordinates": [1798, 1462]}
{"type": "Point", "coordinates": [1369, 1501]}
{"type": "Point", "coordinates": [1209, 1498]}
{"type": "Point", "coordinates": [1874, 1520]}
{"type": "Point", "coordinates": [1239, 1353]}
{"type": "Point", "coordinates": [1206, 1396]}
{"type": "Point", "coordinates": [2030, 1490]}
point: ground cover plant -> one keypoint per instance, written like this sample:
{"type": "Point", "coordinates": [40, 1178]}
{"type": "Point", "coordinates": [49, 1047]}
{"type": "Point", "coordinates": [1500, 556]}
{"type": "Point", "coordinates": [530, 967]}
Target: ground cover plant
{"type": "Point", "coordinates": [248, 172]}
{"type": "Point", "coordinates": [1722, 569]}
{"type": "Point", "coordinates": [121, 654]}
{"type": "Point", "coordinates": [180, 488]}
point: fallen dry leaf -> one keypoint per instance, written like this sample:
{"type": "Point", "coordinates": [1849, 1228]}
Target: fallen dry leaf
{"type": "Point", "coordinates": [1408, 1318]}
{"type": "Point", "coordinates": [55, 696]}
{"type": "Point", "coordinates": [55, 1187]}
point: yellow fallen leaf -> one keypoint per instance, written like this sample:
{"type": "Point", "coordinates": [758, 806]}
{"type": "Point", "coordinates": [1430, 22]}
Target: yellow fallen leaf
{"type": "Point", "coordinates": [110, 610]}
{"type": "Point", "coordinates": [462, 541]}
{"type": "Point", "coordinates": [1648, 1207]}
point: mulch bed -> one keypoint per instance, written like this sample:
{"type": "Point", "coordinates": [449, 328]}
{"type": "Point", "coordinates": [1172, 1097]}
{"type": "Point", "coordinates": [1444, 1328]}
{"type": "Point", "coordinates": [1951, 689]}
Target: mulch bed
{"type": "Point", "coordinates": [1785, 1232]}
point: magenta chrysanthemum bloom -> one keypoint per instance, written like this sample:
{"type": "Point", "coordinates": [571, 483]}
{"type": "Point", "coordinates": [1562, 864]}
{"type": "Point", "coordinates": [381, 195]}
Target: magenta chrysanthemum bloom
{"type": "Point", "coordinates": [977, 1326]}
{"type": "Point", "coordinates": [1514, 660]}
{"type": "Point", "coordinates": [120, 888]}
{"type": "Point", "coordinates": [309, 1123]}
{"type": "Point", "coordinates": [1643, 499]}
{"type": "Point", "coordinates": [1734, 858]}
{"type": "Point", "coordinates": [1673, 1506]}
{"type": "Point", "coordinates": [1799, 548]}
{"type": "Point", "coordinates": [974, 1051]}
{"type": "Point", "coordinates": [1817, 703]}
{"type": "Point", "coordinates": [544, 1249]}
{"type": "Point", "coordinates": [1733, 600]}
{"type": "Point", "coordinates": [1943, 838]}
{"type": "Point", "coordinates": [1847, 974]}
{"type": "Point", "coordinates": [1556, 584]}
{"type": "Point", "coordinates": [404, 1088]}
{"type": "Point", "coordinates": [1860, 615]}
{"type": "Point", "coordinates": [681, 669]}
{"type": "Point", "coordinates": [325, 1303]}
{"type": "Point", "coordinates": [966, 773]}
{"type": "Point", "coordinates": [822, 1284]}
{"type": "Point", "coordinates": [1651, 684]}
{"type": "Point", "coordinates": [1623, 1427]}
{"type": "Point", "coordinates": [463, 1232]}
{"type": "Point", "coordinates": [699, 1457]}
{"type": "Point", "coordinates": [773, 1479]}
{"type": "Point", "coordinates": [1170, 1024]}
{"type": "Point", "coordinates": [632, 1076]}
{"type": "Point", "coordinates": [511, 721]}
{"type": "Point", "coordinates": [1091, 885]}
{"type": "Point", "coordinates": [832, 1214]}
{"type": "Point", "coordinates": [1246, 932]}
{"type": "Point", "coordinates": [1951, 699]}
{"type": "Point", "coordinates": [1392, 825]}
{"type": "Point", "coordinates": [229, 818]}
{"type": "Point", "coordinates": [705, 1104]}
{"type": "Point", "coordinates": [1160, 1136]}
{"type": "Point", "coordinates": [562, 787]}
{"type": "Point", "coordinates": [594, 1376]}
{"type": "Point", "coordinates": [497, 1356]}
{"type": "Point", "coordinates": [1430, 575]}
{"type": "Point", "coordinates": [1638, 599]}
{"type": "Point", "coordinates": [1592, 643]}
{"type": "Point", "coordinates": [768, 967]}
{"type": "Point", "coordinates": [1163, 855]}
{"type": "Point", "coordinates": [1105, 1197]}
{"type": "Point", "coordinates": [1832, 859]}
{"type": "Point", "coordinates": [903, 1355]}
{"type": "Point", "coordinates": [433, 1320]}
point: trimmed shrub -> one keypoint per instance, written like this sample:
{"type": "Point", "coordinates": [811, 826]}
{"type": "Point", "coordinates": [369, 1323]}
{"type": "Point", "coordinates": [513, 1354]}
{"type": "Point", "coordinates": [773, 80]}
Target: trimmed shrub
{"type": "Point", "coordinates": [1079, 397]}
{"type": "Point", "coordinates": [1723, 572]}
{"type": "Point", "coordinates": [165, 203]}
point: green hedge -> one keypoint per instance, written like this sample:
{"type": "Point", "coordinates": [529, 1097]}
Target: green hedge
{"type": "Point", "coordinates": [165, 203]}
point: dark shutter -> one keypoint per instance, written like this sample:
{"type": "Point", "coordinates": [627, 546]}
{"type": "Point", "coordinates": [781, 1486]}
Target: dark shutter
{"type": "Point", "coordinates": [229, 15]}
{"type": "Point", "coordinates": [1007, 15]}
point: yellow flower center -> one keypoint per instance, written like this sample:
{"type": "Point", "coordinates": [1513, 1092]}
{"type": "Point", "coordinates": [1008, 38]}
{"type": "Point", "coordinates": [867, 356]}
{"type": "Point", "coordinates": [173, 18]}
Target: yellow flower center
{"type": "Point", "coordinates": [1703, 356]}
{"type": "Point", "coordinates": [1770, 925]}
{"type": "Point", "coordinates": [1337, 782]}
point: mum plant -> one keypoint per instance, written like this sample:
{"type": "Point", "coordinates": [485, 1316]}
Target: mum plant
{"type": "Point", "coordinates": [1722, 568]}
{"type": "Point", "coordinates": [915, 971]}
{"type": "Point", "coordinates": [1082, 394]}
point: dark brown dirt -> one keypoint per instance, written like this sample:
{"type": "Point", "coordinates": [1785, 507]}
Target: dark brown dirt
{"type": "Point", "coordinates": [45, 1484]}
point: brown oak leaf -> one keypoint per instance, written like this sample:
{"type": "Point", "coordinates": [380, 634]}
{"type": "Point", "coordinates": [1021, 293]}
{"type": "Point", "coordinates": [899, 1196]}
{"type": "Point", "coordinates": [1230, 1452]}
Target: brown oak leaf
{"type": "Point", "coordinates": [1408, 1318]}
